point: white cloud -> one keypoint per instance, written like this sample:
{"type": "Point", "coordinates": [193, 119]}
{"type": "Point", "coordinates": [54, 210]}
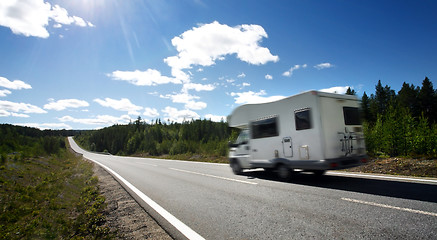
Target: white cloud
{"type": "Point", "coordinates": [295, 67]}
{"type": "Point", "coordinates": [150, 77]}
{"type": "Point", "coordinates": [323, 66]}
{"type": "Point", "coordinates": [31, 17]}
{"type": "Point", "coordinates": [180, 97]}
{"type": "Point", "coordinates": [253, 97]}
{"type": "Point", "coordinates": [339, 90]}
{"type": "Point", "coordinates": [176, 115]}
{"type": "Point", "coordinates": [242, 75]}
{"type": "Point", "coordinates": [268, 77]}
{"type": "Point", "coordinates": [151, 112]}
{"type": "Point", "coordinates": [205, 44]}
{"type": "Point", "coordinates": [4, 93]}
{"type": "Point", "coordinates": [60, 16]}
{"type": "Point", "coordinates": [14, 109]}
{"type": "Point", "coordinates": [4, 113]}
{"type": "Point", "coordinates": [64, 104]}
{"type": "Point", "coordinates": [98, 120]}
{"type": "Point", "coordinates": [186, 98]}
{"type": "Point", "coordinates": [215, 118]}
{"type": "Point", "coordinates": [15, 85]}
{"type": "Point", "coordinates": [123, 104]}
{"type": "Point", "coordinates": [193, 105]}
{"type": "Point", "coordinates": [198, 87]}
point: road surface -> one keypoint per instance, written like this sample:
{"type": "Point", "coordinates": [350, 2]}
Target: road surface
{"type": "Point", "coordinates": [209, 202]}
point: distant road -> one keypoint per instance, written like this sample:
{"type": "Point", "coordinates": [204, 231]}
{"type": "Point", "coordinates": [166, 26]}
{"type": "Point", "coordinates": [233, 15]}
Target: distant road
{"type": "Point", "coordinates": [210, 202]}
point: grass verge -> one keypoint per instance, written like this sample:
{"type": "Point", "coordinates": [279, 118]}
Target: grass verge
{"type": "Point", "coordinates": [400, 166]}
{"type": "Point", "coordinates": [52, 197]}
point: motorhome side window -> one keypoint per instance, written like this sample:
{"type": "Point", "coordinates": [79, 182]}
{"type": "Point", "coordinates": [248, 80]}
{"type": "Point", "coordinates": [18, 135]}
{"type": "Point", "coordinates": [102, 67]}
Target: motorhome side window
{"type": "Point", "coordinates": [265, 128]}
{"type": "Point", "coordinates": [351, 116]}
{"type": "Point", "coordinates": [302, 118]}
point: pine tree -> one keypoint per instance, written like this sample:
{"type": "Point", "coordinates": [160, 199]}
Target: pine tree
{"type": "Point", "coordinates": [365, 108]}
{"type": "Point", "coordinates": [350, 91]}
{"type": "Point", "coordinates": [383, 96]}
{"type": "Point", "coordinates": [427, 100]}
{"type": "Point", "coordinates": [408, 98]}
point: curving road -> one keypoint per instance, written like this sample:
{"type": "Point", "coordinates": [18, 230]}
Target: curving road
{"type": "Point", "coordinates": [210, 202]}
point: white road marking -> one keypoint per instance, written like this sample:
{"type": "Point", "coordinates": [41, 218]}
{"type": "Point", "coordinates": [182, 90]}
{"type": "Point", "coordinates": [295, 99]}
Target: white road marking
{"type": "Point", "coordinates": [184, 229]}
{"type": "Point", "coordinates": [213, 176]}
{"type": "Point", "coordinates": [390, 207]}
{"type": "Point", "coordinates": [383, 177]}
{"type": "Point", "coordinates": [153, 165]}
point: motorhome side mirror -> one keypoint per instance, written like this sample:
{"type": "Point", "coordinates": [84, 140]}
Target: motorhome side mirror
{"type": "Point", "coordinates": [231, 144]}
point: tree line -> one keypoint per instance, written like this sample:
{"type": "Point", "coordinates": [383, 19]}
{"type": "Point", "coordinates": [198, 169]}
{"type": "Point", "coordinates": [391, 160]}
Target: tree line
{"type": "Point", "coordinates": [402, 123]}
{"type": "Point", "coordinates": [28, 142]}
{"type": "Point", "coordinates": [196, 136]}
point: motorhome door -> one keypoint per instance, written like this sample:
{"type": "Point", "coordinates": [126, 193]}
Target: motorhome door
{"type": "Point", "coordinates": [287, 147]}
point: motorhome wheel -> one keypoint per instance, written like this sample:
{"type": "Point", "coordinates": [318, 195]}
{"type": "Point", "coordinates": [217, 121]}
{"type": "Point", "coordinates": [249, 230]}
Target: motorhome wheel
{"type": "Point", "coordinates": [236, 168]}
{"type": "Point", "coordinates": [283, 172]}
{"type": "Point", "coordinates": [319, 173]}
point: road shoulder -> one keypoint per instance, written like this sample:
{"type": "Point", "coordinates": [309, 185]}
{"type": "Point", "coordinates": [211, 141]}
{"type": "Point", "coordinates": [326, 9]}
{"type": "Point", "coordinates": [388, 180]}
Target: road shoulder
{"type": "Point", "coordinates": [124, 214]}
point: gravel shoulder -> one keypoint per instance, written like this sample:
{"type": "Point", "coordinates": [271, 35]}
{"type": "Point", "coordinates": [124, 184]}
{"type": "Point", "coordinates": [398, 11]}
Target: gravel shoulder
{"type": "Point", "coordinates": [123, 214]}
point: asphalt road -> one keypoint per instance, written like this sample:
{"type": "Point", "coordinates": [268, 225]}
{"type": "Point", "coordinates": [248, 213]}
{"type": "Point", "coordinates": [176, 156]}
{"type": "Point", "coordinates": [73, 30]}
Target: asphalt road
{"type": "Point", "coordinates": [216, 204]}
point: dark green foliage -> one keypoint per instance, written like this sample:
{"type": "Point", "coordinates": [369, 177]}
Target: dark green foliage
{"type": "Point", "coordinates": [196, 137]}
{"type": "Point", "coordinates": [31, 141]}
{"type": "Point", "coordinates": [403, 124]}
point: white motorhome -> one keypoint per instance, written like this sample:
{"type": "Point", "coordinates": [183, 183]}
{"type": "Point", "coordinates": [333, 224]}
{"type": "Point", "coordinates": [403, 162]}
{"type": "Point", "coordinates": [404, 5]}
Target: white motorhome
{"type": "Point", "coordinates": [312, 131]}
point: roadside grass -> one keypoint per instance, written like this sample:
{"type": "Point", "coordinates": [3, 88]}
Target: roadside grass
{"type": "Point", "coordinates": [417, 167]}
{"type": "Point", "coordinates": [50, 197]}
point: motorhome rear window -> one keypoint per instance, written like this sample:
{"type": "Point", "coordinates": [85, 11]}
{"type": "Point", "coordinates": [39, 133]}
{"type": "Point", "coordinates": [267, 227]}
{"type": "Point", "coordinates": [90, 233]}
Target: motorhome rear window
{"type": "Point", "coordinates": [265, 128]}
{"type": "Point", "coordinates": [351, 116]}
{"type": "Point", "coordinates": [302, 118]}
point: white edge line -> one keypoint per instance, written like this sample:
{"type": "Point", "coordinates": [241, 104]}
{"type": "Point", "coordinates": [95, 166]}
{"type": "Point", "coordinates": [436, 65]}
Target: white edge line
{"type": "Point", "coordinates": [213, 176]}
{"type": "Point", "coordinates": [383, 177]}
{"type": "Point", "coordinates": [184, 229]}
{"type": "Point", "coordinates": [390, 207]}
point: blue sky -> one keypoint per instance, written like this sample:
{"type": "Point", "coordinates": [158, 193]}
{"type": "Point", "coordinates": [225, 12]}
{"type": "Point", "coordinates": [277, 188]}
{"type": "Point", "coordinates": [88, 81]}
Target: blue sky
{"type": "Point", "coordinates": [88, 64]}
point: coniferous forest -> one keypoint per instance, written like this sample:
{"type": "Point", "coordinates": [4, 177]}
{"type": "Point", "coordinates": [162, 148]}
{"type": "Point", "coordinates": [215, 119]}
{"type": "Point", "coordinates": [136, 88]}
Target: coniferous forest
{"type": "Point", "coordinates": [403, 123]}
{"type": "Point", "coordinates": [203, 137]}
{"type": "Point", "coordinates": [395, 124]}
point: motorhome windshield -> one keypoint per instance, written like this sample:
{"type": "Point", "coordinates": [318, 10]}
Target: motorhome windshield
{"type": "Point", "coordinates": [351, 116]}
{"type": "Point", "coordinates": [243, 138]}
